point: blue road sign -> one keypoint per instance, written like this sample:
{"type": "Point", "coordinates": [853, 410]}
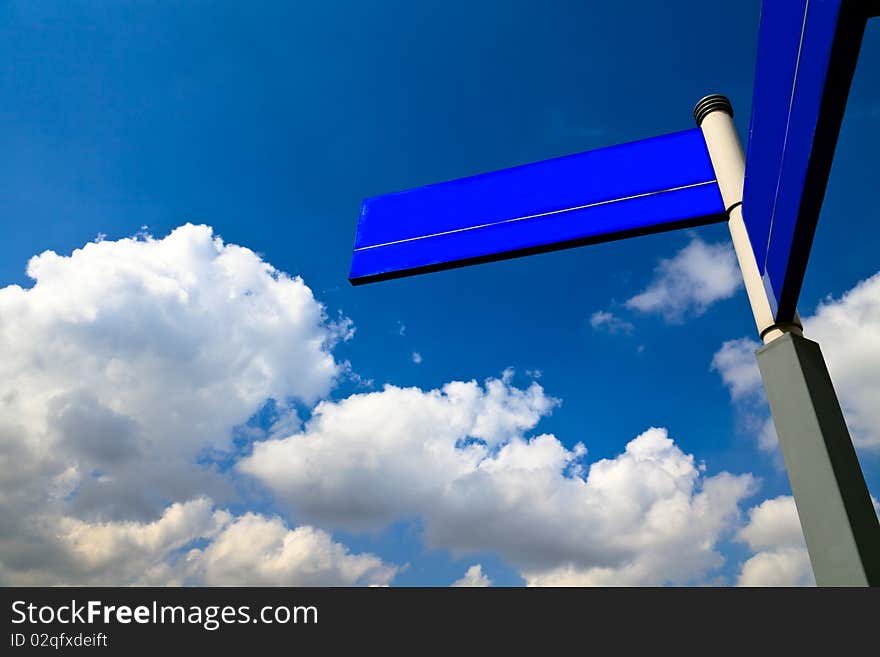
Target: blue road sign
{"type": "Point", "coordinates": [641, 187]}
{"type": "Point", "coordinates": [807, 53]}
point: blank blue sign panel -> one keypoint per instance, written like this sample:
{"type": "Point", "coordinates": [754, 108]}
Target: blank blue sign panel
{"type": "Point", "coordinates": [807, 53]}
{"type": "Point", "coordinates": [641, 187]}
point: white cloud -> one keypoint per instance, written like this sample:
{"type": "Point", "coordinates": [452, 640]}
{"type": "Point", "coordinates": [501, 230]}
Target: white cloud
{"type": "Point", "coordinates": [670, 539]}
{"type": "Point", "coordinates": [370, 457]}
{"type": "Point", "coordinates": [122, 365]}
{"type": "Point", "coordinates": [773, 523]}
{"type": "Point", "coordinates": [645, 516]}
{"type": "Point", "coordinates": [774, 534]}
{"type": "Point", "coordinates": [768, 441]}
{"type": "Point", "coordinates": [779, 567]}
{"type": "Point", "coordinates": [259, 551]}
{"type": "Point", "coordinates": [416, 357]}
{"type": "Point", "coordinates": [848, 331]}
{"type": "Point", "coordinates": [249, 550]}
{"type": "Point", "coordinates": [110, 553]}
{"type": "Point", "coordinates": [474, 578]}
{"type": "Point", "coordinates": [127, 358]}
{"type": "Point", "coordinates": [736, 363]}
{"type": "Point", "coordinates": [611, 323]}
{"type": "Point", "coordinates": [691, 281]}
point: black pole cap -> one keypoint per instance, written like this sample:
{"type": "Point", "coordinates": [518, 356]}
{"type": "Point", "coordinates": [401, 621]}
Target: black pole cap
{"type": "Point", "coordinates": [710, 104]}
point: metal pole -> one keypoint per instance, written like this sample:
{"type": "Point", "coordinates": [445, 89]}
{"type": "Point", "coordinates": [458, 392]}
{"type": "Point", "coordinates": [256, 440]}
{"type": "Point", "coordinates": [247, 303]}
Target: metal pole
{"type": "Point", "coordinates": [832, 499]}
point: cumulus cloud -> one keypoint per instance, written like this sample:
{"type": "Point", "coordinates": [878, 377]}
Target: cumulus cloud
{"type": "Point", "coordinates": [126, 362]}
{"type": "Point", "coordinates": [736, 363]}
{"type": "Point", "coordinates": [110, 553]}
{"type": "Point", "coordinates": [691, 281]}
{"type": "Point", "coordinates": [848, 331]}
{"type": "Point", "coordinates": [128, 365]}
{"type": "Point", "coordinates": [249, 550]}
{"type": "Point", "coordinates": [258, 551]}
{"type": "Point", "coordinates": [774, 534]}
{"type": "Point", "coordinates": [128, 358]}
{"type": "Point", "coordinates": [367, 459]}
{"type": "Point", "coordinates": [458, 459]}
{"type": "Point", "coordinates": [473, 578]}
{"type": "Point", "coordinates": [768, 440]}
{"type": "Point", "coordinates": [778, 567]}
{"type": "Point", "coordinates": [416, 358]}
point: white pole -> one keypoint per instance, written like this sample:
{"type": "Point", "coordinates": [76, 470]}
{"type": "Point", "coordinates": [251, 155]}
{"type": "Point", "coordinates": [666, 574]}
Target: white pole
{"type": "Point", "coordinates": [714, 115]}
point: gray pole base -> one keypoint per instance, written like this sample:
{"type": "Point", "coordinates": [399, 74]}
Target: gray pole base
{"type": "Point", "coordinates": [836, 514]}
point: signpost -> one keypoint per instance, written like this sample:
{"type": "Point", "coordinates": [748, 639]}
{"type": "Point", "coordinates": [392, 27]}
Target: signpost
{"type": "Point", "coordinates": [834, 506]}
{"type": "Point", "coordinates": [806, 57]}
{"type": "Point", "coordinates": [632, 189]}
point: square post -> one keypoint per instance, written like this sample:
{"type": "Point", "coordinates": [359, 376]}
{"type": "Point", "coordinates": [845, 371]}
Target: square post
{"type": "Point", "coordinates": [832, 499]}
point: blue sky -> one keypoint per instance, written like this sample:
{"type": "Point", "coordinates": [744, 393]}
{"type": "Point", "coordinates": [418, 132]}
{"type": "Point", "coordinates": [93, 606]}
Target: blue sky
{"type": "Point", "coordinates": [271, 121]}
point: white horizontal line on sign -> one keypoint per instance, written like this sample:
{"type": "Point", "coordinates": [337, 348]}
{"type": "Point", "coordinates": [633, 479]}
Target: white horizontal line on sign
{"type": "Point", "coordinates": [535, 216]}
